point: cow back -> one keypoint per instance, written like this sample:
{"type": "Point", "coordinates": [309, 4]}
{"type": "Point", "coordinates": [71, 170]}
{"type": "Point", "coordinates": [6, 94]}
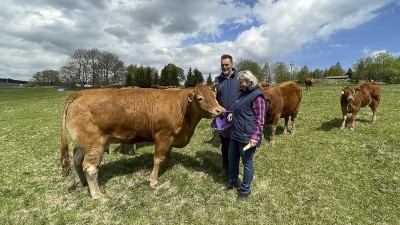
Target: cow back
{"type": "Point", "coordinates": [284, 99]}
{"type": "Point", "coordinates": [371, 88]}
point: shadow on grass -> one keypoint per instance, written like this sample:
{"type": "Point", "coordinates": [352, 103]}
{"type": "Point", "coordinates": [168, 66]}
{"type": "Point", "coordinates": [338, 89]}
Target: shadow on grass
{"type": "Point", "coordinates": [215, 140]}
{"type": "Point", "coordinates": [335, 123]}
{"type": "Point", "coordinates": [278, 131]}
{"type": "Point", "coordinates": [207, 162]}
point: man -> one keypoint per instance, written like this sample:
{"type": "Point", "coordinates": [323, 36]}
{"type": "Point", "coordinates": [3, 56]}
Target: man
{"type": "Point", "coordinates": [228, 91]}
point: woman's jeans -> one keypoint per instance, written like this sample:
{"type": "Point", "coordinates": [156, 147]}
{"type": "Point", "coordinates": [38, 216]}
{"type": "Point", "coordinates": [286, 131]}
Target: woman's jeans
{"type": "Point", "coordinates": [235, 152]}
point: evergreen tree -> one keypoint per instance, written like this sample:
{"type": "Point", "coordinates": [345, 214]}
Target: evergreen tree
{"type": "Point", "coordinates": [198, 77]}
{"type": "Point", "coordinates": [156, 78]}
{"type": "Point", "coordinates": [131, 72]}
{"type": "Point", "coordinates": [147, 81]}
{"type": "Point", "coordinates": [349, 73]}
{"type": "Point", "coordinates": [140, 77]}
{"type": "Point", "coordinates": [128, 79]}
{"type": "Point", "coordinates": [209, 80]}
{"type": "Point", "coordinates": [190, 82]}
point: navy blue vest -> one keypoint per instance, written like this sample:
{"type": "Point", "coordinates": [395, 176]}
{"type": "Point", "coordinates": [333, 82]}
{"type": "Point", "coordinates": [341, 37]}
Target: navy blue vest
{"type": "Point", "coordinates": [228, 90]}
{"type": "Point", "coordinates": [243, 121]}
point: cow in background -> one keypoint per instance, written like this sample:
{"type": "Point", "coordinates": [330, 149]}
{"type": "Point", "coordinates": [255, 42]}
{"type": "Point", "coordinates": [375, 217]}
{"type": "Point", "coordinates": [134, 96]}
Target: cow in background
{"type": "Point", "coordinates": [355, 97]}
{"type": "Point", "coordinates": [284, 102]}
{"type": "Point", "coordinates": [97, 117]}
{"type": "Point", "coordinates": [126, 148]}
{"type": "Point", "coordinates": [309, 82]}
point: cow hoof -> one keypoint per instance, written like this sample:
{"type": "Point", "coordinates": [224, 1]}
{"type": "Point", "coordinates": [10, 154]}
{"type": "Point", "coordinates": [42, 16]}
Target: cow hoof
{"type": "Point", "coordinates": [351, 128]}
{"type": "Point", "coordinates": [153, 184]}
{"type": "Point", "coordinates": [97, 196]}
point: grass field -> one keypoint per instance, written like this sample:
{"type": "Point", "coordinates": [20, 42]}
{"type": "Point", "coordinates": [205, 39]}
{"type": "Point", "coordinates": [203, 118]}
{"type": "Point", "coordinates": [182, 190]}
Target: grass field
{"type": "Point", "coordinates": [317, 176]}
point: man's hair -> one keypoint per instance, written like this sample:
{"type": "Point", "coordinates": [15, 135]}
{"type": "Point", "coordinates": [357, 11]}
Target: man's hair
{"type": "Point", "coordinates": [226, 56]}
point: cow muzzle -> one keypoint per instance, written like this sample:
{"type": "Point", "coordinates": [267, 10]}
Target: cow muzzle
{"type": "Point", "coordinates": [218, 111]}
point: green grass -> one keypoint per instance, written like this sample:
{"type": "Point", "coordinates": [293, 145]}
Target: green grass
{"type": "Point", "coordinates": [317, 176]}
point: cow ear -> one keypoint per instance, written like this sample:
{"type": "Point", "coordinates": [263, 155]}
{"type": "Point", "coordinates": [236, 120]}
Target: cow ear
{"type": "Point", "coordinates": [191, 97]}
{"type": "Point", "coordinates": [263, 84]}
{"type": "Point", "coordinates": [342, 91]}
{"type": "Point", "coordinates": [213, 87]}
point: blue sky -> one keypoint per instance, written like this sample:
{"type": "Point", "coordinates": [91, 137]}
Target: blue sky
{"type": "Point", "coordinates": [42, 34]}
{"type": "Point", "coordinates": [348, 45]}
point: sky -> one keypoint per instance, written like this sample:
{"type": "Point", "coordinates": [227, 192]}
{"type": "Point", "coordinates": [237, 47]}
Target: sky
{"type": "Point", "coordinates": [38, 35]}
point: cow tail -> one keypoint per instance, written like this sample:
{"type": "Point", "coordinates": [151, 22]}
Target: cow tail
{"type": "Point", "coordinates": [65, 163]}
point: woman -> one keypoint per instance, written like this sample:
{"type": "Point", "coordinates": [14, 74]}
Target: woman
{"type": "Point", "coordinates": [247, 130]}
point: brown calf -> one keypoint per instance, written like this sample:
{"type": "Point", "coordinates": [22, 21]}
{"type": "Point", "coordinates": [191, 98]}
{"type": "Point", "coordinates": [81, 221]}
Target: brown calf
{"type": "Point", "coordinates": [309, 82]}
{"type": "Point", "coordinates": [355, 97]}
{"type": "Point", "coordinates": [284, 102]}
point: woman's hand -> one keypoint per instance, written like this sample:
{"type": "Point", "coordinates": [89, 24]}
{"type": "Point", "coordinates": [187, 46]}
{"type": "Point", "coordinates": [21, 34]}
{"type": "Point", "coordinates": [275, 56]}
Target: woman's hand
{"type": "Point", "coordinates": [253, 142]}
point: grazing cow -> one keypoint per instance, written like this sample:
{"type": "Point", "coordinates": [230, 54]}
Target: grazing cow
{"type": "Point", "coordinates": [97, 117]}
{"type": "Point", "coordinates": [284, 102]}
{"type": "Point", "coordinates": [309, 82]}
{"type": "Point", "coordinates": [355, 97]}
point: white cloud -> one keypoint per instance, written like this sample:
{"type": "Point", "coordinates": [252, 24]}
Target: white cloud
{"type": "Point", "coordinates": [43, 33]}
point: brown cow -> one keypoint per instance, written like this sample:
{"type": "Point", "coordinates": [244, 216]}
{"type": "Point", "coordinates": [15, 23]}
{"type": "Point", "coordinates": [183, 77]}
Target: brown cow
{"type": "Point", "coordinates": [95, 118]}
{"type": "Point", "coordinates": [355, 97]}
{"type": "Point", "coordinates": [284, 102]}
{"type": "Point", "coordinates": [309, 82]}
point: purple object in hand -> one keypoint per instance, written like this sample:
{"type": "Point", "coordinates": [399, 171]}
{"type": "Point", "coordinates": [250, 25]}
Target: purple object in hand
{"type": "Point", "coordinates": [222, 125]}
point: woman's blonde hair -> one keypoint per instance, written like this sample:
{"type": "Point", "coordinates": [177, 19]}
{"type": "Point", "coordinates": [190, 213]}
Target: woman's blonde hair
{"type": "Point", "coordinates": [247, 75]}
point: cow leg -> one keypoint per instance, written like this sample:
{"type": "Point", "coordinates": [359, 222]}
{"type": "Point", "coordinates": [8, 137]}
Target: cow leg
{"type": "Point", "coordinates": [374, 112]}
{"type": "Point", "coordinates": [274, 124]}
{"type": "Point", "coordinates": [107, 148]}
{"type": "Point", "coordinates": [286, 127]}
{"type": "Point", "coordinates": [162, 146]}
{"type": "Point", "coordinates": [132, 150]}
{"type": "Point", "coordinates": [272, 137]}
{"type": "Point", "coordinates": [80, 179]}
{"type": "Point", "coordinates": [167, 156]}
{"type": "Point", "coordinates": [91, 164]}
{"type": "Point", "coordinates": [353, 120]}
{"type": "Point", "coordinates": [293, 131]}
{"type": "Point", "coordinates": [374, 108]}
{"type": "Point", "coordinates": [344, 117]}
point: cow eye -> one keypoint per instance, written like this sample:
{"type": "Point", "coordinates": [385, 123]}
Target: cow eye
{"type": "Point", "coordinates": [200, 99]}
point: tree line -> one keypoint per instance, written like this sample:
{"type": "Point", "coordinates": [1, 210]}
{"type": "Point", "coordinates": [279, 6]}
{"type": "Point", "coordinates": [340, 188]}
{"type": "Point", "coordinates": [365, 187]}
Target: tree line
{"type": "Point", "coordinates": [94, 68]}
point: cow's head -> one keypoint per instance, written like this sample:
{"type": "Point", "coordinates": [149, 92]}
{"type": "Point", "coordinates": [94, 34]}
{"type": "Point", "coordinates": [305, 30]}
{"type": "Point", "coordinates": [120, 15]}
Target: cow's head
{"type": "Point", "coordinates": [204, 101]}
{"type": "Point", "coordinates": [349, 91]}
{"type": "Point", "coordinates": [263, 85]}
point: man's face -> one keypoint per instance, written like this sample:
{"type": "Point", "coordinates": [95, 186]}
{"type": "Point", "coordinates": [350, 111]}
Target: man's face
{"type": "Point", "coordinates": [226, 67]}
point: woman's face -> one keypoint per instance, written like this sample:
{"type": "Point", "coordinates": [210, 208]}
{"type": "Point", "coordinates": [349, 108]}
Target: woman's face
{"type": "Point", "coordinates": [244, 84]}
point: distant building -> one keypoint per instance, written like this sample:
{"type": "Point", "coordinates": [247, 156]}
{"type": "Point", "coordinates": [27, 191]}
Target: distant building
{"type": "Point", "coordinates": [344, 77]}
{"type": "Point", "coordinates": [11, 85]}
